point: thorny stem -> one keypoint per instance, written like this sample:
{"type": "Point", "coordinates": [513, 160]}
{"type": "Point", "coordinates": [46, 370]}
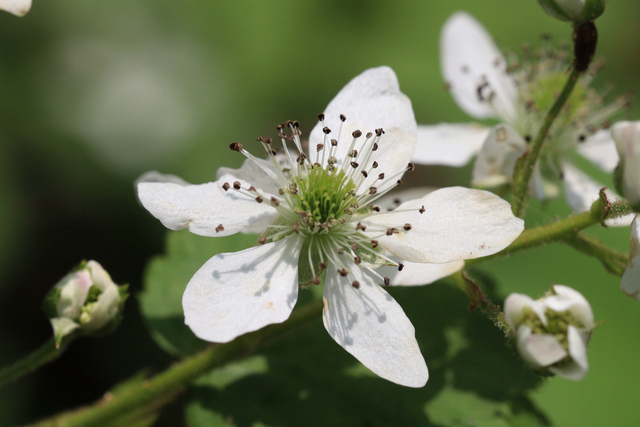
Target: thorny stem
{"type": "Point", "coordinates": [527, 163]}
{"type": "Point", "coordinates": [153, 393]}
{"type": "Point", "coordinates": [45, 354]}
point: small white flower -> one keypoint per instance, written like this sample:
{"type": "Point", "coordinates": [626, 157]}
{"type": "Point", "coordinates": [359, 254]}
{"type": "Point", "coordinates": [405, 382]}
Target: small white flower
{"type": "Point", "coordinates": [627, 138]}
{"type": "Point", "coordinates": [552, 333]}
{"type": "Point", "coordinates": [16, 7]}
{"type": "Point", "coordinates": [86, 300]}
{"type": "Point", "coordinates": [573, 10]}
{"type": "Point", "coordinates": [488, 86]}
{"type": "Point", "coordinates": [318, 217]}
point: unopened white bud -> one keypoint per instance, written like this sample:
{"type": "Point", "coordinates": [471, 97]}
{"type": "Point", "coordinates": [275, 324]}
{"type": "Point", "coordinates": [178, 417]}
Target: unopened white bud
{"type": "Point", "coordinates": [85, 301]}
{"type": "Point", "coordinates": [573, 10]}
{"type": "Point", "coordinates": [551, 334]}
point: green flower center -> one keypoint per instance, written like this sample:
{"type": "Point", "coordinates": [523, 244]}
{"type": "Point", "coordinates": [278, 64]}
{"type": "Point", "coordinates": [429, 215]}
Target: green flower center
{"type": "Point", "coordinates": [324, 198]}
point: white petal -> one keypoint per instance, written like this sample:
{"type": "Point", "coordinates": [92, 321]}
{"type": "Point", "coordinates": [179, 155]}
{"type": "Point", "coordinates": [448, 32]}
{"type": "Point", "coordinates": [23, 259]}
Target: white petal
{"type": "Point", "coordinates": [155, 176]}
{"type": "Point", "coordinates": [236, 293]}
{"type": "Point", "coordinates": [581, 191]}
{"type": "Point", "coordinates": [468, 58]}
{"type": "Point", "coordinates": [578, 350]}
{"type": "Point", "coordinates": [252, 172]}
{"type": "Point", "coordinates": [630, 283]}
{"type": "Point", "coordinates": [205, 208]}
{"type": "Point", "coordinates": [370, 101]}
{"type": "Point", "coordinates": [395, 198]}
{"type": "Point", "coordinates": [458, 223]}
{"type": "Point", "coordinates": [539, 350]}
{"type": "Point", "coordinates": [627, 138]}
{"type": "Point", "coordinates": [449, 144]}
{"type": "Point", "coordinates": [105, 309]}
{"type": "Point", "coordinates": [497, 158]}
{"type": "Point", "coordinates": [372, 326]}
{"type": "Point", "coordinates": [515, 303]}
{"type": "Point", "coordinates": [415, 274]}
{"type": "Point", "coordinates": [17, 7]}
{"type": "Point", "coordinates": [63, 326]}
{"type": "Point", "coordinates": [601, 150]}
{"type": "Point", "coordinates": [567, 298]}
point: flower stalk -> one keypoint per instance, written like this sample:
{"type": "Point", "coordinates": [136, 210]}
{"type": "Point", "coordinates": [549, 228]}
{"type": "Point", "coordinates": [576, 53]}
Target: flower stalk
{"type": "Point", "coordinates": [526, 164]}
{"type": "Point", "coordinates": [48, 352]}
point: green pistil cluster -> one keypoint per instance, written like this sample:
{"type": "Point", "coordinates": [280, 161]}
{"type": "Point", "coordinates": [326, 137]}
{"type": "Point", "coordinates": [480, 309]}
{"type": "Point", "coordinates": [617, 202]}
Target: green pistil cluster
{"type": "Point", "coordinates": [557, 324]}
{"type": "Point", "coordinates": [323, 198]}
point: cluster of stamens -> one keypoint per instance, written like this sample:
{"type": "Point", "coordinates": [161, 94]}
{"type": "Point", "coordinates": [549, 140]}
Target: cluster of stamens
{"type": "Point", "coordinates": [324, 200]}
{"type": "Point", "coordinates": [539, 78]}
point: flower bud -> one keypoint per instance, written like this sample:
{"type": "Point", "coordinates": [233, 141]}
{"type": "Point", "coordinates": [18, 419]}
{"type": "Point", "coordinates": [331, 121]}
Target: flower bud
{"type": "Point", "coordinates": [627, 175]}
{"type": "Point", "coordinates": [551, 334]}
{"type": "Point", "coordinates": [85, 301]}
{"type": "Point", "coordinates": [579, 11]}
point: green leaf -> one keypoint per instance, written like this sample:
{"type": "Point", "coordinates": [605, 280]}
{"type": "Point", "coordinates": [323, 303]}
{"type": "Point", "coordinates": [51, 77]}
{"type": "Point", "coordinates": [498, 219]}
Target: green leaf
{"type": "Point", "coordinates": [167, 277]}
{"type": "Point", "coordinates": [305, 378]}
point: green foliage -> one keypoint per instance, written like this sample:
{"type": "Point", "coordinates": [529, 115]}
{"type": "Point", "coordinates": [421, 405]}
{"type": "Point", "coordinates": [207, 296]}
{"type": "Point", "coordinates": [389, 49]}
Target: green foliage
{"type": "Point", "coordinates": [304, 378]}
{"type": "Point", "coordinates": [167, 277]}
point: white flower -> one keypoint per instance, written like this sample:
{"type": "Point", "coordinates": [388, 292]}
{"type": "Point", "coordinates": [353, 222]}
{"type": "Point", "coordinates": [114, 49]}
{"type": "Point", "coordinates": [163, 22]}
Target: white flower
{"type": "Point", "coordinates": [17, 7]}
{"type": "Point", "coordinates": [627, 138]}
{"type": "Point", "coordinates": [318, 219]}
{"type": "Point", "coordinates": [86, 300]}
{"type": "Point", "coordinates": [552, 333]}
{"type": "Point", "coordinates": [573, 10]}
{"type": "Point", "coordinates": [487, 86]}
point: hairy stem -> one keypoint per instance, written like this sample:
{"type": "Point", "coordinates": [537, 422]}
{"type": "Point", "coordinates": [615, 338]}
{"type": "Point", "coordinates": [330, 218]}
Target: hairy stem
{"type": "Point", "coordinates": [526, 166]}
{"type": "Point", "coordinates": [153, 393]}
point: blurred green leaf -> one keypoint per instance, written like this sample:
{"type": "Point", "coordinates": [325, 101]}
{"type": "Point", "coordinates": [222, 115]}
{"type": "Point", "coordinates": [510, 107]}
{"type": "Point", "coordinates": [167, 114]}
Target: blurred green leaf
{"type": "Point", "coordinates": [304, 378]}
{"type": "Point", "coordinates": [167, 277]}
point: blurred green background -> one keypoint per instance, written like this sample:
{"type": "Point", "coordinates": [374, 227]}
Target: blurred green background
{"type": "Point", "coordinates": [94, 94]}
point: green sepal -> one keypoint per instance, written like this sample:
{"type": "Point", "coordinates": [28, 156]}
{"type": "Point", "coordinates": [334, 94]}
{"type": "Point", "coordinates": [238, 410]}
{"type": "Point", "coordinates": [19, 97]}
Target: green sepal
{"type": "Point", "coordinates": [50, 303]}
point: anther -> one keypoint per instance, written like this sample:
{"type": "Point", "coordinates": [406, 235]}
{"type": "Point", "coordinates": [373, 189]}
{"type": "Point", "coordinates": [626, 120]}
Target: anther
{"type": "Point", "coordinates": [373, 190]}
{"type": "Point", "coordinates": [219, 228]}
{"type": "Point", "coordinates": [387, 281]}
{"type": "Point", "coordinates": [391, 231]}
{"type": "Point", "coordinates": [354, 165]}
{"type": "Point", "coordinates": [407, 227]}
{"type": "Point", "coordinates": [411, 167]}
{"type": "Point", "coordinates": [374, 244]}
{"type": "Point", "coordinates": [343, 272]}
{"type": "Point", "coordinates": [374, 147]}
{"type": "Point", "coordinates": [422, 209]}
{"type": "Point", "coordinates": [259, 199]}
{"type": "Point", "coordinates": [364, 173]}
{"type": "Point", "coordinates": [237, 185]}
{"type": "Point", "coordinates": [356, 133]}
{"type": "Point", "coordinates": [322, 266]}
{"type": "Point", "coordinates": [334, 142]}
{"type": "Point", "coordinates": [381, 176]}
{"type": "Point", "coordinates": [315, 281]}
{"type": "Point", "coordinates": [252, 188]}
{"type": "Point", "coordinates": [379, 132]}
{"type": "Point", "coordinates": [296, 227]}
{"type": "Point", "coordinates": [354, 246]}
{"type": "Point", "coordinates": [236, 146]}
{"type": "Point", "coordinates": [357, 260]}
{"type": "Point", "coordinates": [581, 138]}
{"type": "Point", "coordinates": [369, 135]}
{"type": "Point", "coordinates": [321, 117]}
{"type": "Point", "coordinates": [400, 266]}
{"type": "Point", "coordinates": [226, 186]}
{"type": "Point", "coordinates": [356, 284]}
{"type": "Point", "coordinates": [262, 240]}
{"type": "Point", "coordinates": [376, 208]}
{"type": "Point", "coordinates": [266, 140]}
{"type": "Point", "coordinates": [326, 130]}
{"type": "Point", "coordinates": [340, 251]}
{"type": "Point", "coordinates": [343, 118]}
{"type": "Point", "coordinates": [399, 182]}
{"type": "Point", "coordinates": [361, 226]}
{"type": "Point", "coordinates": [319, 147]}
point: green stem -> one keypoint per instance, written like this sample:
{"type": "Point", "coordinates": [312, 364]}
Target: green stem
{"type": "Point", "coordinates": [477, 299]}
{"type": "Point", "coordinates": [614, 261]}
{"type": "Point", "coordinates": [153, 393]}
{"type": "Point", "coordinates": [527, 165]}
{"type": "Point", "coordinates": [559, 230]}
{"type": "Point", "coordinates": [45, 354]}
